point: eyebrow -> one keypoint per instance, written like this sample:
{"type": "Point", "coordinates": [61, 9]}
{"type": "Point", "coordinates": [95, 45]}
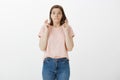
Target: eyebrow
{"type": "Point", "coordinates": [58, 11]}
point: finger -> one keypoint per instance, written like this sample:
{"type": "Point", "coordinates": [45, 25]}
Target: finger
{"type": "Point", "coordinates": [46, 21]}
{"type": "Point", "coordinates": [64, 25]}
{"type": "Point", "coordinates": [47, 25]}
{"type": "Point", "coordinates": [66, 21]}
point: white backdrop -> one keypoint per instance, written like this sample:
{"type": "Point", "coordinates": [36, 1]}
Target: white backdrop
{"type": "Point", "coordinates": [96, 24]}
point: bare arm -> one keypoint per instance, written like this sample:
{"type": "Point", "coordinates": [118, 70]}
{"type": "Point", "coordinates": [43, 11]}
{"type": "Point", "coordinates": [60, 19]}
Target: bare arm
{"type": "Point", "coordinates": [69, 41]}
{"type": "Point", "coordinates": [44, 38]}
{"type": "Point", "coordinates": [43, 41]}
{"type": "Point", "coordinates": [68, 38]}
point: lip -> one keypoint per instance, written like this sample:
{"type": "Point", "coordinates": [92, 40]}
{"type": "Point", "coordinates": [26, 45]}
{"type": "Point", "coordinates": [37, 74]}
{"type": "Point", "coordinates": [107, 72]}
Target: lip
{"type": "Point", "coordinates": [56, 18]}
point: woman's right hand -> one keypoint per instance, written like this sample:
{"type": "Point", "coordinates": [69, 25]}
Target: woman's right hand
{"type": "Point", "coordinates": [47, 25]}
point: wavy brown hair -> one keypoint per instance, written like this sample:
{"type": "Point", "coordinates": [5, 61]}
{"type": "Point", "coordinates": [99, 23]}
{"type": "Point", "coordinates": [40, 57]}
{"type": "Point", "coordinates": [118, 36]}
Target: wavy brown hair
{"type": "Point", "coordinates": [63, 14]}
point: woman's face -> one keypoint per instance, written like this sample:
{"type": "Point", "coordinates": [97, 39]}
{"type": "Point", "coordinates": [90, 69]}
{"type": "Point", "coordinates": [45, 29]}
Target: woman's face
{"type": "Point", "coordinates": [56, 15]}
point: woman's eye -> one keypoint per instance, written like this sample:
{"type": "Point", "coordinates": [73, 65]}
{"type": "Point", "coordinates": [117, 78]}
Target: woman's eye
{"type": "Point", "coordinates": [53, 13]}
{"type": "Point", "coordinates": [59, 13]}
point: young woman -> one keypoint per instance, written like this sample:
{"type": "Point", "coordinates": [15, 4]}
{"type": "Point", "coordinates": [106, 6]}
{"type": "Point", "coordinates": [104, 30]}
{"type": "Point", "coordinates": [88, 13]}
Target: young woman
{"type": "Point", "coordinates": [56, 39]}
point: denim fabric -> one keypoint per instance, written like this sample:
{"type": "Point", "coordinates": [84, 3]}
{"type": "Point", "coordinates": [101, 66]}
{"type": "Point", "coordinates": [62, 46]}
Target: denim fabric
{"type": "Point", "coordinates": [56, 69]}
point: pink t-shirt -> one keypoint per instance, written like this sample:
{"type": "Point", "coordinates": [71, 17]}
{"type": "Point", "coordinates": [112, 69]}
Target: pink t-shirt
{"type": "Point", "coordinates": [56, 42]}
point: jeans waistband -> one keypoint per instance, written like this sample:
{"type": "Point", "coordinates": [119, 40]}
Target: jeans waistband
{"type": "Point", "coordinates": [49, 58]}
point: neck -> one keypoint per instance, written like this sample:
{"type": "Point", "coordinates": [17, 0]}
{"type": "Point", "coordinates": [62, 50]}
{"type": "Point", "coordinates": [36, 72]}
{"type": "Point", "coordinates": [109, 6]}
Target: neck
{"type": "Point", "coordinates": [56, 24]}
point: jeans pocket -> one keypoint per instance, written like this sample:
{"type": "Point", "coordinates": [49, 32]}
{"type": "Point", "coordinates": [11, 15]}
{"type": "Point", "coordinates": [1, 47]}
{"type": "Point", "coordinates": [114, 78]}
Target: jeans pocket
{"type": "Point", "coordinates": [46, 60]}
{"type": "Point", "coordinates": [65, 61]}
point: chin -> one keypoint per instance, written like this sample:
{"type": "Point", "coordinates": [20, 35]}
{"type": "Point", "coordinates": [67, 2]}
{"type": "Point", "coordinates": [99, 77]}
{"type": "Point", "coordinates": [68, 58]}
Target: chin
{"type": "Point", "coordinates": [56, 21]}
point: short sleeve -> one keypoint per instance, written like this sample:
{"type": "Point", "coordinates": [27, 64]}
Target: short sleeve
{"type": "Point", "coordinates": [71, 31]}
{"type": "Point", "coordinates": [41, 31]}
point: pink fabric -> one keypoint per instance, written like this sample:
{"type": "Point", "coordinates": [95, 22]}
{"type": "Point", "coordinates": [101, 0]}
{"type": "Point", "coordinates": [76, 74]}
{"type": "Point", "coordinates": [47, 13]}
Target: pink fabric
{"type": "Point", "coordinates": [56, 42]}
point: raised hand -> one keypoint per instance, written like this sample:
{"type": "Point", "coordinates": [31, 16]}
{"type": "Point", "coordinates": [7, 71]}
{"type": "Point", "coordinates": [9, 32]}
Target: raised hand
{"type": "Point", "coordinates": [47, 25]}
{"type": "Point", "coordinates": [65, 25]}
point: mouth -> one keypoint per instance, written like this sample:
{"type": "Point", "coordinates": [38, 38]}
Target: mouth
{"type": "Point", "coordinates": [56, 18]}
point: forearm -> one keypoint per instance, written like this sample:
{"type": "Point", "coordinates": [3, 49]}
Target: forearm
{"type": "Point", "coordinates": [43, 41]}
{"type": "Point", "coordinates": [69, 41]}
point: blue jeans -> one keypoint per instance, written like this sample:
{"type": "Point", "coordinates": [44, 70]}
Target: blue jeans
{"type": "Point", "coordinates": [56, 69]}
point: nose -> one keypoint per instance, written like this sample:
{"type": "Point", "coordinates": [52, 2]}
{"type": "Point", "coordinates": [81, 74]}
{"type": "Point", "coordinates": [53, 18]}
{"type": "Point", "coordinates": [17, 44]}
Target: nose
{"type": "Point", "coordinates": [56, 15]}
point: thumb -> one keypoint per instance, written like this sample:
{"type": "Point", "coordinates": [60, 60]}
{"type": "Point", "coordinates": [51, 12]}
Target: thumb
{"type": "Point", "coordinates": [46, 21]}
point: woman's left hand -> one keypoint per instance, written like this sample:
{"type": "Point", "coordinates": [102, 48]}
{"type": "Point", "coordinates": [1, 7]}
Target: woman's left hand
{"type": "Point", "coordinates": [65, 25]}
